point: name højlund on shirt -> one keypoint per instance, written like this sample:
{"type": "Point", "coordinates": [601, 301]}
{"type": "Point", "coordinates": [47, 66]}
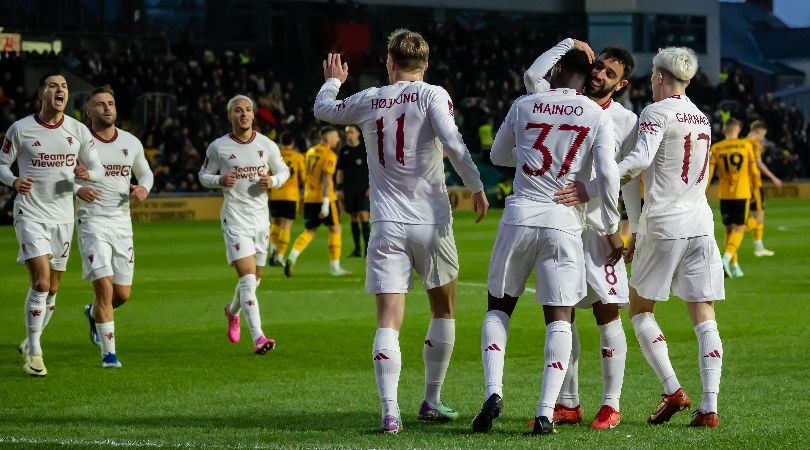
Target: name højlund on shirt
{"type": "Point", "coordinates": [405, 97]}
{"type": "Point", "coordinates": [557, 109]}
{"type": "Point", "coordinates": [695, 119]}
{"type": "Point", "coordinates": [54, 160]}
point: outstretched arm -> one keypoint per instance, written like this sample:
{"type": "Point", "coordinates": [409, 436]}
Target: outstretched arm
{"type": "Point", "coordinates": [533, 78]}
{"type": "Point", "coordinates": [327, 107]}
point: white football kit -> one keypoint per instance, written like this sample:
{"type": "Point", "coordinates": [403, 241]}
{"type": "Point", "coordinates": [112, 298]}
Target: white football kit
{"type": "Point", "coordinates": [104, 229]}
{"type": "Point", "coordinates": [47, 153]}
{"type": "Point", "coordinates": [675, 246]}
{"type": "Point", "coordinates": [406, 126]}
{"type": "Point", "coordinates": [245, 216]}
{"type": "Point", "coordinates": [552, 138]}
{"type": "Point", "coordinates": [606, 283]}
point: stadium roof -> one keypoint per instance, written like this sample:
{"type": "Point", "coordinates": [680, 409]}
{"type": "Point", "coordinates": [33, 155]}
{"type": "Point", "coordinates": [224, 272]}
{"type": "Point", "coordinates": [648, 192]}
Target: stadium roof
{"type": "Point", "coordinates": [753, 36]}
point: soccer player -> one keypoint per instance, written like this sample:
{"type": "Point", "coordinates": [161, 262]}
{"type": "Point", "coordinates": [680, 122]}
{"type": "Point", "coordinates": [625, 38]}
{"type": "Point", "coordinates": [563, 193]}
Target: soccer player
{"type": "Point", "coordinates": [46, 146]}
{"type": "Point", "coordinates": [403, 124]}
{"type": "Point", "coordinates": [757, 210]}
{"type": "Point", "coordinates": [104, 229]}
{"type": "Point", "coordinates": [352, 185]}
{"type": "Point", "coordinates": [559, 135]}
{"type": "Point", "coordinates": [733, 159]}
{"type": "Point", "coordinates": [284, 200]}
{"type": "Point", "coordinates": [238, 163]}
{"type": "Point", "coordinates": [607, 284]}
{"type": "Point", "coordinates": [320, 206]}
{"type": "Point", "coordinates": [675, 247]}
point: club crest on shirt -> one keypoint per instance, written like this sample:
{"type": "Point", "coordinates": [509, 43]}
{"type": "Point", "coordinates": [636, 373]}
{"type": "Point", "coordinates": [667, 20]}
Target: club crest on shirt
{"type": "Point", "coordinates": [261, 153]}
{"type": "Point", "coordinates": [125, 151]}
{"type": "Point", "coordinates": [69, 140]}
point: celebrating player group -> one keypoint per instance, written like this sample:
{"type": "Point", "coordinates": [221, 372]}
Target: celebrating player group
{"type": "Point", "coordinates": [573, 149]}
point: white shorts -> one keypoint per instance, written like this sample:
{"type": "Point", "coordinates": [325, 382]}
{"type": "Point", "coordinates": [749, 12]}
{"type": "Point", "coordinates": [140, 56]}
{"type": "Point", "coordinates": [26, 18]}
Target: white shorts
{"type": "Point", "coordinates": [243, 242]}
{"type": "Point", "coordinates": [38, 239]}
{"type": "Point", "coordinates": [106, 252]}
{"type": "Point", "coordinates": [691, 267]}
{"type": "Point", "coordinates": [555, 255]}
{"type": "Point", "coordinates": [396, 249]}
{"type": "Point", "coordinates": [606, 283]}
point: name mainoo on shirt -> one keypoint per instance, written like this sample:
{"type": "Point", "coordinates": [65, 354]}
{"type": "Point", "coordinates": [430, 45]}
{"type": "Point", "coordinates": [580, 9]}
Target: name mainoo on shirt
{"type": "Point", "coordinates": [54, 160]}
{"type": "Point", "coordinates": [405, 97]}
{"type": "Point", "coordinates": [560, 110]}
{"type": "Point", "coordinates": [117, 170]}
{"type": "Point", "coordinates": [249, 172]}
{"type": "Point", "coordinates": [694, 119]}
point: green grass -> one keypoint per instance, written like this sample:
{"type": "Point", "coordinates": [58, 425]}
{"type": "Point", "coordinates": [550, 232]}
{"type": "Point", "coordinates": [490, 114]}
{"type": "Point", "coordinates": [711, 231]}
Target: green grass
{"type": "Point", "coordinates": [184, 385]}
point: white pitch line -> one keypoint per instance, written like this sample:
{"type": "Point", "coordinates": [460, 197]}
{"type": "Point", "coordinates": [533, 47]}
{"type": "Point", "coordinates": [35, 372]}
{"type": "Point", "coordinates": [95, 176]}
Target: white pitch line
{"type": "Point", "coordinates": [484, 285]}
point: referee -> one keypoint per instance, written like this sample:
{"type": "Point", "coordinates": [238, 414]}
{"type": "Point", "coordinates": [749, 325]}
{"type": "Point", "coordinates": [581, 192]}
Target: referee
{"type": "Point", "coordinates": [352, 185]}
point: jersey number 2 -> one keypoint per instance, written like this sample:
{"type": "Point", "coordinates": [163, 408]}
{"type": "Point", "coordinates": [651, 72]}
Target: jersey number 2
{"type": "Point", "coordinates": [545, 129]}
{"type": "Point", "coordinates": [400, 138]}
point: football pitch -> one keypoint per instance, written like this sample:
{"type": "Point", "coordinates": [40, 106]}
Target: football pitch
{"type": "Point", "coordinates": [184, 385]}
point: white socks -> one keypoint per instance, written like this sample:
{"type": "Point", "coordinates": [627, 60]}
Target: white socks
{"type": "Point", "coordinates": [106, 334]}
{"type": "Point", "coordinates": [494, 332]}
{"type": "Point", "coordinates": [387, 367]}
{"type": "Point", "coordinates": [250, 305]}
{"type": "Point", "coordinates": [654, 347]}
{"type": "Point", "coordinates": [569, 393]}
{"type": "Point", "coordinates": [35, 306]}
{"type": "Point", "coordinates": [710, 361]}
{"type": "Point", "coordinates": [614, 355]}
{"type": "Point", "coordinates": [50, 305]}
{"type": "Point", "coordinates": [236, 304]}
{"type": "Point", "coordinates": [557, 353]}
{"type": "Point", "coordinates": [441, 335]}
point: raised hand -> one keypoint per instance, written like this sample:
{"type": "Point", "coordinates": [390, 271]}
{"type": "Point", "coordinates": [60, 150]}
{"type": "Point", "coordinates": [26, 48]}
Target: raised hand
{"type": "Point", "coordinates": [334, 68]}
{"type": "Point", "coordinates": [584, 47]}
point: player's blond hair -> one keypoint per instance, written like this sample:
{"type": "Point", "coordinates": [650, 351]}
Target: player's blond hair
{"type": "Point", "coordinates": [408, 49]}
{"type": "Point", "coordinates": [680, 62]}
{"type": "Point", "coordinates": [758, 125]}
{"type": "Point", "coordinates": [236, 98]}
{"type": "Point", "coordinates": [732, 123]}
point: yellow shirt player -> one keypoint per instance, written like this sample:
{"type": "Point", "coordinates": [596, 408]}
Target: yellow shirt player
{"type": "Point", "coordinates": [284, 200]}
{"type": "Point", "coordinates": [735, 164]}
{"type": "Point", "coordinates": [756, 220]}
{"type": "Point", "coordinates": [319, 202]}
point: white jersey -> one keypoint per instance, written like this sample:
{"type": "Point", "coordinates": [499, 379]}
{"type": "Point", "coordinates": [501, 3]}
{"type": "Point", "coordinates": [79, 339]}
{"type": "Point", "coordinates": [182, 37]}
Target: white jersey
{"type": "Point", "coordinates": [245, 205]}
{"type": "Point", "coordinates": [673, 152]}
{"type": "Point", "coordinates": [122, 157]}
{"type": "Point", "coordinates": [625, 134]}
{"type": "Point", "coordinates": [559, 135]}
{"type": "Point", "coordinates": [404, 126]}
{"type": "Point", "coordinates": [47, 154]}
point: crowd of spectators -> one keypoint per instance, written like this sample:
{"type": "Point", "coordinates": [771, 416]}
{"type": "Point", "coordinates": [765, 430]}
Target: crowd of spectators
{"type": "Point", "coordinates": [482, 74]}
